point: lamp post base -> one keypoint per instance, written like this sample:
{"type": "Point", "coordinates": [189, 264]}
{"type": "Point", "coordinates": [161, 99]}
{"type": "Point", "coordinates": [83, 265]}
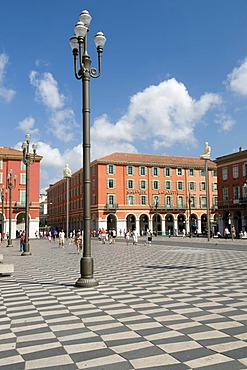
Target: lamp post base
{"type": "Point", "coordinates": [86, 280]}
{"type": "Point", "coordinates": [86, 283]}
{"type": "Point", "coordinates": [26, 253]}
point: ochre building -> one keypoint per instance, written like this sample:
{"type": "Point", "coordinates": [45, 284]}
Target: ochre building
{"type": "Point", "coordinates": [139, 191]}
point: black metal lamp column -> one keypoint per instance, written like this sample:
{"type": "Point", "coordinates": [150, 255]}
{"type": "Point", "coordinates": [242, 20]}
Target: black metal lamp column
{"type": "Point", "coordinates": [67, 176]}
{"type": "Point", "coordinates": [11, 186]}
{"type": "Point", "coordinates": [2, 218]}
{"type": "Point", "coordinates": [83, 71]}
{"type": "Point", "coordinates": [27, 160]}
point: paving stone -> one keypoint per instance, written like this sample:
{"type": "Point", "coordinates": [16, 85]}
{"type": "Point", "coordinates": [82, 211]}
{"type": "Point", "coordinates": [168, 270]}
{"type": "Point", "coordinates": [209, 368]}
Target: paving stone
{"type": "Point", "coordinates": [161, 307]}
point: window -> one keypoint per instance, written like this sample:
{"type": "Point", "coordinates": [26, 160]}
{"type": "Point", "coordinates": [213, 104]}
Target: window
{"type": "Point", "coordinates": [214, 172]}
{"type": "Point", "coordinates": [192, 185]}
{"type": "Point", "coordinates": [224, 173]}
{"type": "Point", "coordinates": [143, 171]}
{"type": "Point", "coordinates": [94, 200]}
{"type": "Point", "coordinates": [93, 184]}
{"type": "Point", "coordinates": [215, 201]}
{"type": "Point", "coordinates": [23, 197]}
{"type": "Point", "coordinates": [168, 172]}
{"type": "Point", "coordinates": [179, 171]}
{"type": "Point", "coordinates": [111, 199]}
{"type": "Point", "coordinates": [23, 178]}
{"type": "Point", "coordinates": [214, 186]}
{"type": "Point", "coordinates": [203, 202]}
{"type": "Point", "coordinates": [1, 164]}
{"type": "Point", "coordinates": [225, 193]}
{"type": "Point", "coordinates": [1, 178]}
{"type": "Point", "coordinates": [155, 200]}
{"type": "Point", "coordinates": [236, 192]}
{"type": "Point", "coordinates": [180, 200]}
{"type": "Point", "coordinates": [168, 185]}
{"type": "Point", "coordinates": [143, 184]}
{"type": "Point", "coordinates": [245, 169]}
{"type": "Point", "coordinates": [235, 171]}
{"type": "Point", "coordinates": [130, 200]}
{"type": "Point", "coordinates": [143, 200]}
{"type": "Point", "coordinates": [130, 184]}
{"type": "Point", "coordinates": [111, 183]}
{"type": "Point", "coordinates": [202, 172]}
{"type": "Point", "coordinates": [191, 172]}
{"type": "Point", "coordinates": [192, 201]}
{"type": "Point", "coordinates": [155, 185]}
{"type": "Point", "coordinates": [168, 201]}
{"type": "Point", "coordinates": [23, 166]}
{"type": "Point", "coordinates": [155, 171]}
{"type": "Point", "coordinates": [110, 169]}
{"type": "Point", "coordinates": [202, 185]}
{"type": "Point", "coordinates": [94, 170]}
{"type": "Point", "coordinates": [180, 185]}
{"type": "Point", "coordinates": [130, 170]}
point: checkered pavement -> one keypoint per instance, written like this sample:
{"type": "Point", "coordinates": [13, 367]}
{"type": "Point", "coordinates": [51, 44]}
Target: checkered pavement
{"type": "Point", "coordinates": [156, 307]}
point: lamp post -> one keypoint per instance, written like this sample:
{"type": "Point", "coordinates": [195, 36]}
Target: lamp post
{"type": "Point", "coordinates": [2, 218]}
{"type": "Point", "coordinates": [11, 186]}
{"type": "Point", "coordinates": [206, 157]}
{"type": "Point", "coordinates": [83, 71]}
{"type": "Point", "coordinates": [27, 160]}
{"type": "Point", "coordinates": [156, 216]}
{"type": "Point", "coordinates": [190, 224]}
{"type": "Point", "coordinates": [67, 176]}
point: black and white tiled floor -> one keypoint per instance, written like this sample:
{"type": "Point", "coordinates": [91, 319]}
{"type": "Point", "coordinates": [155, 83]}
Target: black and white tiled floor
{"type": "Point", "coordinates": [156, 307]}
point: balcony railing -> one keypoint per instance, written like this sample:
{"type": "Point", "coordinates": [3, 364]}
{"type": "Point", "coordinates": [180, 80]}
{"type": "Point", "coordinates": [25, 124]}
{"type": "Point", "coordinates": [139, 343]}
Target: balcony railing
{"type": "Point", "coordinates": [111, 206]}
{"type": "Point", "coordinates": [20, 204]}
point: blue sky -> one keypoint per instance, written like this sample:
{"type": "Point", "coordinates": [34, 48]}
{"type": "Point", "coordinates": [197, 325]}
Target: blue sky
{"type": "Point", "coordinates": [174, 76]}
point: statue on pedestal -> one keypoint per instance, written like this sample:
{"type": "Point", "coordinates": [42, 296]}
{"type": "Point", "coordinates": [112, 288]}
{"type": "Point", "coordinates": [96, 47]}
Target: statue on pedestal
{"type": "Point", "coordinates": [67, 171]}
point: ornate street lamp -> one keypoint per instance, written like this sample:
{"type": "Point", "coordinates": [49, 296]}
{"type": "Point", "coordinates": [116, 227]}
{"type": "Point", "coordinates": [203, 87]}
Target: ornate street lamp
{"type": "Point", "coordinates": [2, 218]}
{"type": "Point", "coordinates": [67, 176]}
{"type": "Point", "coordinates": [83, 71]}
{"type": "Point", "coordinates": [11, 186]}
{"type": "Point", "coordinates": [206, 157]}
{"type": "Point", "coordinates": [27, 160]}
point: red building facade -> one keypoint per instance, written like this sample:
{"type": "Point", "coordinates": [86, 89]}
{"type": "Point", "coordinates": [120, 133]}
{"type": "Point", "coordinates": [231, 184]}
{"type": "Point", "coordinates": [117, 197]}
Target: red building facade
{"type": "Point", "coordinates": [139, 191]}
{"type": "Point", "coordinates": [232, 191]}
{"type": "Point", "coordinates": [11, 161]}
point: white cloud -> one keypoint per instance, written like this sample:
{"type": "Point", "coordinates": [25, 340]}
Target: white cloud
{"type": "Point", "coordinates": [61, 120]}
{"type": "Point", "coordinates": [27, 126]}
{"type": "Point", "coordinates": [47, 90]}
{"type": "Point", "coordinates": [62, 125]}
{"type": "Point", "coordinates": [159, 116]}
{"type": "Point", "coordinates": [5, 94]}
{"type": "Point", "coordinates": [237, 79]}
{"type": "Point", "coordinates": [225, 122]}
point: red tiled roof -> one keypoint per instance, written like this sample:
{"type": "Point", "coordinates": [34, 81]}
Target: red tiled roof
{"type": "Point", "coordinates": [153, 159]}
{"type": "Point", "coordinates": [5, 151]}
{"type": "Point", "coordinates": [14, 153]}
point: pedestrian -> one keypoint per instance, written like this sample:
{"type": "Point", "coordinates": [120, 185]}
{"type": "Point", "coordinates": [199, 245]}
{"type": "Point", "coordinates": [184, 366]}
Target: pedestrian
{"type": "Point", "coordinates": [226, 233]}
{"type": "Point", "coordinates": [78, 242]}
{"type": "Point", "coordinates": [103, 235]}
{"type": "Point", "coordinates": [135, 237]}
{"type": "Point", "coordinates": [61, 236]}
{"type": "Point", "coordinates": [184, 233]}
{"type": "Point", "coordinates": [22, 241]}
{"type": "Point", "coordinates": [113, 234]}
{"type": "Point", "coordinates": [127, 237]}
{"type": "Point", "coordinates": [233, 232]}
